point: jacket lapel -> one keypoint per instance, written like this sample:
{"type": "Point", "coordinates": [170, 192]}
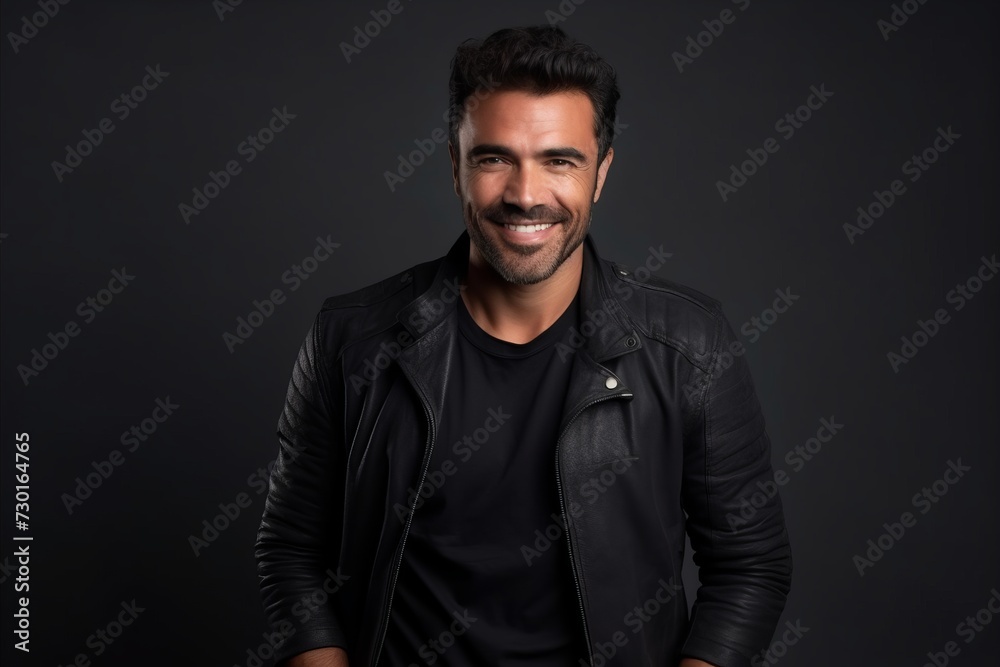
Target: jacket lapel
{"type": "Point", "coordinates": [604, 332]}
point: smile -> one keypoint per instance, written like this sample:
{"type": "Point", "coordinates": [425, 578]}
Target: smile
{"type": "Point", "coordinates": [529, 229]}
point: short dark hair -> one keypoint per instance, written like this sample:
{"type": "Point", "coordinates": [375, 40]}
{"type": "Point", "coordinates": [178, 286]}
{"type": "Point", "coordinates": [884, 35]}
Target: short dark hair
{"type": "Point", "coordinates": [537, 59]}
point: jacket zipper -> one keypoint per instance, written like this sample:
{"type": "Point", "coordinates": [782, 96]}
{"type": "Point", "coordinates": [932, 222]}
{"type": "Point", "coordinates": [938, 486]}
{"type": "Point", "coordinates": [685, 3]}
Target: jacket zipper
{"type": "Point", "coordinates": [409, 520]}
{"type": "Point", "coordinates": [562, 509]}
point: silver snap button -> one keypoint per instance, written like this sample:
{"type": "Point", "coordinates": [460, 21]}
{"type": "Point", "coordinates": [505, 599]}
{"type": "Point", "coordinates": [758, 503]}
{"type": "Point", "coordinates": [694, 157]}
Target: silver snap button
{"type": "Point", "coordinates": [611, 383]}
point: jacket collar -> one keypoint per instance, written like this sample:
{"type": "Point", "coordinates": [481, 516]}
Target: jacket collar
{"type": "Point", "coordinates": [605, 330]}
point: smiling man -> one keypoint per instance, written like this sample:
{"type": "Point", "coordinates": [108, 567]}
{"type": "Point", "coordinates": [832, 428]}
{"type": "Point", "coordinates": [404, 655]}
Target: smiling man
{"type": "Point", "coordinates": [528, 169]}
{"type": "Point", "coordinates": [492, 458]}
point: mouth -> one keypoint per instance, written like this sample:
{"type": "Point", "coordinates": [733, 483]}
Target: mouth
{"type": "Point", "coordinates": [528, 229]}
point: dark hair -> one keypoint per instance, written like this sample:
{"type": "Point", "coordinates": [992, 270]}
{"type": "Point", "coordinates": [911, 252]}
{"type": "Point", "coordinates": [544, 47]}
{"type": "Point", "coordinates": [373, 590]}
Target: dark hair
{"type": "Point", "coordinates": [537, 59]}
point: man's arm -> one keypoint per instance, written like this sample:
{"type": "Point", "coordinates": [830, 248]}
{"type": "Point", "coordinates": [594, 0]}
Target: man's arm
{"type": "Point", "coordinates": [744, 560]}
{"type": "Point", "coordinates": [323, 657]}
{"type": "Point", "coordinates": [299, 535]}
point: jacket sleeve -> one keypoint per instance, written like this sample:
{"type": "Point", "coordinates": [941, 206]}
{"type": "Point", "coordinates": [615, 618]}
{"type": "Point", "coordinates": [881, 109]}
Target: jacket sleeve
{"type": "Point", "coordinates": [299, 536]}
{"type": "Point", "coordinates": [735, 518]}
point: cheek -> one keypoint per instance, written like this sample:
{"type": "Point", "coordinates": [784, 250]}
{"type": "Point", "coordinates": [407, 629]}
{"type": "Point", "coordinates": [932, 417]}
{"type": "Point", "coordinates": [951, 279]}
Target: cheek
{"type": "Point", "coordinates": [482, 187]}
{"type": "Point", "coordinates": [574, 194]}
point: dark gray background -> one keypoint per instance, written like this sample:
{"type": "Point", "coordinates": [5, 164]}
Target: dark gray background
{"type": "Point", "coordinates": [324, 175]}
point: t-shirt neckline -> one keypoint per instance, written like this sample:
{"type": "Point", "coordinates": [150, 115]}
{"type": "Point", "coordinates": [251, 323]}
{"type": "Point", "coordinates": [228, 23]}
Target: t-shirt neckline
{"type": "Point", "coordinates": [502, 348]}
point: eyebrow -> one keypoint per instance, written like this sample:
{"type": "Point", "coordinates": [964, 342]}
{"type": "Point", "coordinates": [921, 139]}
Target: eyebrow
{"type": "Point", "coordinates": [496, 149]}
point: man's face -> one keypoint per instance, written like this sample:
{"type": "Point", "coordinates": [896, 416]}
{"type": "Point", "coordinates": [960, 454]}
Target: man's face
{"type": "Point", "coordinates": [527, 177]}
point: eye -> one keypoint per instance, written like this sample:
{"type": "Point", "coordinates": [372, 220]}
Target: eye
{"type": "Point", "coordinates": [559, 162]}
{"type": "Point", "coordinates": [491, 160]}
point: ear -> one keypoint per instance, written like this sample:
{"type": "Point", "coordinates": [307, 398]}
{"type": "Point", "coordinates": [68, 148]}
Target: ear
{"type": "Point", "coordinates": [602, 173]}
{"type": "Point", "coordinates": [454, 168]}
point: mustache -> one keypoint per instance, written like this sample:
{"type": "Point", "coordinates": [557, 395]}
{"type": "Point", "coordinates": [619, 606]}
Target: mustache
{"type": "Point", "coordinates": [507, 214]}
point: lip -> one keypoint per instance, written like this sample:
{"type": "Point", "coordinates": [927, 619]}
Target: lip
{"type": "Point", "coordinates": [522, 237]}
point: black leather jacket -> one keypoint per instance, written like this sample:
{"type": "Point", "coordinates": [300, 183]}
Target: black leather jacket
{"type": "Point", "coordinates": [661, 431]}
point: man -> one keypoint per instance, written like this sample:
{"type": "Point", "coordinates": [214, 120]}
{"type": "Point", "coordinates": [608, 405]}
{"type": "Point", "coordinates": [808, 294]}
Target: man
{"type": "Point", "coordinates": [492, 458]}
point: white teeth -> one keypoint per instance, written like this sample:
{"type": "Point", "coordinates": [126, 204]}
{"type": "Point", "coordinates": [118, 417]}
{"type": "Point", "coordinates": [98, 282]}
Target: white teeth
{"type": "Point", "coordinates": [528, 228]}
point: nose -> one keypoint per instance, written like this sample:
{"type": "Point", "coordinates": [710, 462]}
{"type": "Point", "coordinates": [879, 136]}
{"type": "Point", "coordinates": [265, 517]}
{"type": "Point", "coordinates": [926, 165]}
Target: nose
{"type": "Point", "coordinates": [525, 187]}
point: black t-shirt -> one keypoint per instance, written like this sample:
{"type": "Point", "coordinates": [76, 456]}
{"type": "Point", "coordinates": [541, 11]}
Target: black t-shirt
{"type": "Point", "coordinates": [472, 588]}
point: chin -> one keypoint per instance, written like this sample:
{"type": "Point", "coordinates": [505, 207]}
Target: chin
{"type": "Point", "coordinates": [520, 269]}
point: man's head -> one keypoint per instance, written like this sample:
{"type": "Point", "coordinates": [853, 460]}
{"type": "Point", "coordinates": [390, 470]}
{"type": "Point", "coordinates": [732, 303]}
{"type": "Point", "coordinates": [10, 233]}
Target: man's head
{"type": "Point", "coordinates": [531, 123]}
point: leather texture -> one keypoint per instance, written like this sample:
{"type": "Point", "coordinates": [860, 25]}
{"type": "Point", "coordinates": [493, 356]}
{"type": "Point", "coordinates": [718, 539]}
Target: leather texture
{"type": "Point", "coordinates": [676, 442]}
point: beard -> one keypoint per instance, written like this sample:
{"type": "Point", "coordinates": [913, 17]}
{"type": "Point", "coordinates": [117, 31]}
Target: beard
{"type": "Point", "coordinates": [530, 263]}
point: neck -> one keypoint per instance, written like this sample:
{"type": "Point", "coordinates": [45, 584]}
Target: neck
{"type": "Point", "coordinates": [518, 313]}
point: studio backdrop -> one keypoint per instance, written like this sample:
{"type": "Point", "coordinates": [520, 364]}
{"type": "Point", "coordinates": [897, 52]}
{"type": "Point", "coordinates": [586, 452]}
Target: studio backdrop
{"type": "Point", "coordinates": [184, 183]}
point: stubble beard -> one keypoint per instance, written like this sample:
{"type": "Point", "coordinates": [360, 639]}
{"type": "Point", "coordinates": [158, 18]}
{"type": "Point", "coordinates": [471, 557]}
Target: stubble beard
{"type": "Point", "coordinates": [525, 264]}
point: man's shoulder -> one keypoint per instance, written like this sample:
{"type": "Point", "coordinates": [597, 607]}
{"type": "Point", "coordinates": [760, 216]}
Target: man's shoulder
{"type": "Point", "coordinates": [671, 312]}
{"type": "Point", "coordinates": [385, 292]}
{"type": "Point", "coordinates": [372, 308]}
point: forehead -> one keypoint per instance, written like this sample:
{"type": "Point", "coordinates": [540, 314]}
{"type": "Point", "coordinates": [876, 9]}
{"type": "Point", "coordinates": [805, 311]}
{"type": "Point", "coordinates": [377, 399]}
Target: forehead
{"type": "Point", "coordinates": [520, 119]}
